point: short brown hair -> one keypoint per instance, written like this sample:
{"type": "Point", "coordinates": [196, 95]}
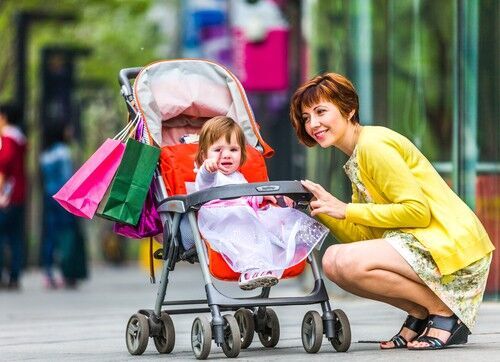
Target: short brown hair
{"type": "Point", "coordinates": [330, 87]}
{"type": "Point", "coordinates": [215, 128]}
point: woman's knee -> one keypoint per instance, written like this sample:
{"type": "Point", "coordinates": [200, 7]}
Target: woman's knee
{"type": "Point", "coordinates": [337, 263]}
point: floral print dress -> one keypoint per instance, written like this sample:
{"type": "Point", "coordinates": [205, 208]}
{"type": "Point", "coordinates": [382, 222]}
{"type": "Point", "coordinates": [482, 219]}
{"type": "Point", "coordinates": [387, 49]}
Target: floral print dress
{"type": "Point", "coordinates": [462, 291]}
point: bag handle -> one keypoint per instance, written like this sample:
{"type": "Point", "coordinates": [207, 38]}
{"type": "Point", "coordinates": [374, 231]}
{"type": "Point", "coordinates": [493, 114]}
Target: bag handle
{"type": "Point", "coordinates": [129, 129]}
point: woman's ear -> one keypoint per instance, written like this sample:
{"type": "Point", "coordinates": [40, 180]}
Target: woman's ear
{"type": "Point", "coordinates": [351, 114]}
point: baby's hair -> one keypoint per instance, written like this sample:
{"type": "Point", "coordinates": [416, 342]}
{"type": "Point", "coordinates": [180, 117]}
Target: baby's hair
{"type": "Point", "coordinates": [213, 130]}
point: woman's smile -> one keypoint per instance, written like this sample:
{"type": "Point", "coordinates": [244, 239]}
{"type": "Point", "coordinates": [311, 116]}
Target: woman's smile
{"type": "Point", "coordinates": [320, 135]}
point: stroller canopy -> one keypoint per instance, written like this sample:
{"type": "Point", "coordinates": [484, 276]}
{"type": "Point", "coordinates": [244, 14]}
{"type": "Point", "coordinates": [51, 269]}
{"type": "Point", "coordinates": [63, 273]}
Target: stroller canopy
{"type": "Point", "coordinates": [195, 89]}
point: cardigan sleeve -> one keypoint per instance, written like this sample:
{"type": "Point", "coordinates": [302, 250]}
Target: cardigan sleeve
{"type": "Point", "coordinates": [382, 165]}
{"type": "Point", "coordinates": [345, 231]}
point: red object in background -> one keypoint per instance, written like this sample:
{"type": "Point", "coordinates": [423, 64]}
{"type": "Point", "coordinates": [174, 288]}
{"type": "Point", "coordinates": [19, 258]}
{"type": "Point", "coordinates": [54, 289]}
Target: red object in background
{"type": "Point", "coordinates": [262, 65]}
{"type": "Point", "coordinates": [488, 211]}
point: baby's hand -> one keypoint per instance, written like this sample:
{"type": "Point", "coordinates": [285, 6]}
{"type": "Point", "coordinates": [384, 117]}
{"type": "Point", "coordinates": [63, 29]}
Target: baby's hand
{"type": "Point", "coordinates": [288, 201]}
{"type": "Point", "coordinates": [211, 165]}
{"type": "Point", "coordinates": [270, 198]}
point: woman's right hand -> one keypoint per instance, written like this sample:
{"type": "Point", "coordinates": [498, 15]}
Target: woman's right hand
{"type": "Point", "coordinates": [324, 202]}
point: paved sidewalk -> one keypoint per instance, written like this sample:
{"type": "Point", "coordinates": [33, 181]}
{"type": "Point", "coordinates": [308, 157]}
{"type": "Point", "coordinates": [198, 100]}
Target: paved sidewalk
{"type": "Point", "coordinates": [88, 324]}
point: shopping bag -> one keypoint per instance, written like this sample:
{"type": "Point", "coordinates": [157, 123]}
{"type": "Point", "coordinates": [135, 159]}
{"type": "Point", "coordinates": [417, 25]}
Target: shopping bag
{"type": "Point", "coordinates": [149, 222]}
{"type": "Point", "coordinates": [81, 194]}
{"type": "Point", "coordinates": [125, 197]}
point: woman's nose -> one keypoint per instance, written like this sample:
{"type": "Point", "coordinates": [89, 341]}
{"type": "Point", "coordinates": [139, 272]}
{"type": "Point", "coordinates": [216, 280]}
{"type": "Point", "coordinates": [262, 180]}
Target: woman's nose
{"type": "Point", "coordinates": [313, 122]}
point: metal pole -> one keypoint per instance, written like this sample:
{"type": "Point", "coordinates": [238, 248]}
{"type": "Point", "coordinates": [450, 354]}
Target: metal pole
{"type": "Point", "coordinates": [465, 148]}
{"type": "Point", "coordinates": [361, 40]}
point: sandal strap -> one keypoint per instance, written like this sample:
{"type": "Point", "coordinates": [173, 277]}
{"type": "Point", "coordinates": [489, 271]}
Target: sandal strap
{"type": "Point", "coordinates": [399, 341]}
{"type": "Point", "coordinates": [415, 324]}
{"type": "Point", "coordinates": [431, 341]}
{"type": "Point", "coordinates": [448, 324]}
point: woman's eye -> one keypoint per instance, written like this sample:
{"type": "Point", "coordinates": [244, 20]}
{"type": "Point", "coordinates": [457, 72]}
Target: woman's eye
{"type": "Point", "coordinates": [306, 120]}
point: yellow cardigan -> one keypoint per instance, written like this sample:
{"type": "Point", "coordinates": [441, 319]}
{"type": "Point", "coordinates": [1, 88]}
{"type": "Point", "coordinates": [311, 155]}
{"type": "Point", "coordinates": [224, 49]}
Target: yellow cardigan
{"type": "Point", "coordinates": [409, 195]}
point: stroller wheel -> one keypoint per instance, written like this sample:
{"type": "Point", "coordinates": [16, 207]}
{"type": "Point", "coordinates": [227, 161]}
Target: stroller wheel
{"type": "Point", "coordinates": [232, 340]}
{"type": "Point", "coordinates": [342, 340]}
{"type": "Point", "coordinates": [270, 334]}
{"type": "Point", "coordinates": [244, 317]}
{"type": "Point", "coordinates": [165, 342]}
{"type": "Point", "coordinates": [137, 334]}
{"type": "Point", "coordinates": [312, 331]}
{"type": "Point", "coordinates": [201, 337]}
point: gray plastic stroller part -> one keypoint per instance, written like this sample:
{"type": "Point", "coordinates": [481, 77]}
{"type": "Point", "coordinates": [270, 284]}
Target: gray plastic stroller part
{"type": "Point", "coordinates": [187, 237]}
{"type": "Point", "coordinates": [183, 203]}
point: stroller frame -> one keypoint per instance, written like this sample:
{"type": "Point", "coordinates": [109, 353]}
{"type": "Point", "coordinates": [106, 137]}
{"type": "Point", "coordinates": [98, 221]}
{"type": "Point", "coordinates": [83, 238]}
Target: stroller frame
{"type": "Point", "coordinates": [156, 323]}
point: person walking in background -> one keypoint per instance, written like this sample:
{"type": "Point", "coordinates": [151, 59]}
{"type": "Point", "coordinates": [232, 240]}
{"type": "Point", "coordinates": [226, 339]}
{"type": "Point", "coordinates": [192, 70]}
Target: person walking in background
{"type": "Point", "coordinates": [412, 243]}
{"type": "Point", "coordinates": [62, 238]}
{"type": "Point", "coordinates": [12, 195]}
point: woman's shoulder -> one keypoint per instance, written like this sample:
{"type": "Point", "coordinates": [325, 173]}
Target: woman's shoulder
{"type": "Point", "coordinates": [371, 134]}
{"type": "Point", "coordinates": [374, 137]}
{"type": "Point", "coordinates": [379, 141]}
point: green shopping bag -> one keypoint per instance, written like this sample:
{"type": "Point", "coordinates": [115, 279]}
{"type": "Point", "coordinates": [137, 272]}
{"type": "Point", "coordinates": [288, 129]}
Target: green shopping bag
{"type": "Point", "coordinates": [125, 198]}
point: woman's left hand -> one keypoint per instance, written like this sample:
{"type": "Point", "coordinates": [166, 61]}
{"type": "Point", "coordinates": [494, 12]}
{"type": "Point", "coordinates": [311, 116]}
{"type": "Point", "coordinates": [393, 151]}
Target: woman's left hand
{"type": "Point", "coordinates": [324, 202]}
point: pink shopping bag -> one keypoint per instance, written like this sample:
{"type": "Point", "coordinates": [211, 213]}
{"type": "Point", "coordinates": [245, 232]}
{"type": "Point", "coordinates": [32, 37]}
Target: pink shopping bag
{"type": "Point", "coordinates": [85, 189]}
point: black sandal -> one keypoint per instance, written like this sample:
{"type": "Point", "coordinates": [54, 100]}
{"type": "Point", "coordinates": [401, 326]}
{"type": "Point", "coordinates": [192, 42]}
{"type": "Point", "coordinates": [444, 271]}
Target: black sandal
{"type": "Point", "coordinates": [412, 323]}
{"type": "Point", "coordinates": [459, 333]}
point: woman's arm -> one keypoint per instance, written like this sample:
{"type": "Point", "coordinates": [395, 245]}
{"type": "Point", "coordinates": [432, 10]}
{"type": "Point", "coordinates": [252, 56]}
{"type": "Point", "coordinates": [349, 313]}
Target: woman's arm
{"type": "Point", "coordinates": [383, 166]}
{"type": "Point", "coordinates": [345, 231]}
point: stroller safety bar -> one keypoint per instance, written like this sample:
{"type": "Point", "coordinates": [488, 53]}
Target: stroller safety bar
{"type": "Point", "coordinates": [184, 203]}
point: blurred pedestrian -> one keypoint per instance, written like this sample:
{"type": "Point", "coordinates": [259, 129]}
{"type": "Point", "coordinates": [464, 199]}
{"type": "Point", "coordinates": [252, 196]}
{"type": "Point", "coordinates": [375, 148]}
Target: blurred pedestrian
{"type": "Point", "coordinates": [62, 239]}
{"type": "Point", "coordinates": [12, 195]}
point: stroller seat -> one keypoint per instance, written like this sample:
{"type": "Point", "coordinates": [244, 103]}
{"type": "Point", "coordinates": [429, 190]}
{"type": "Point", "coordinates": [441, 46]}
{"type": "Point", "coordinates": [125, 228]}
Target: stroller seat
{"type": "Point", "coordinates": [177, 171]}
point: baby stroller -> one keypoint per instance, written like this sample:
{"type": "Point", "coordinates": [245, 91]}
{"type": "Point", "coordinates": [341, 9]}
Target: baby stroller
{"type": "Point", "coordinates": [175, 97]}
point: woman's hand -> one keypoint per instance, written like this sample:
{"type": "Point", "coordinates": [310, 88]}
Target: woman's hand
{"type": "Point", "coordinates": [324, 202]}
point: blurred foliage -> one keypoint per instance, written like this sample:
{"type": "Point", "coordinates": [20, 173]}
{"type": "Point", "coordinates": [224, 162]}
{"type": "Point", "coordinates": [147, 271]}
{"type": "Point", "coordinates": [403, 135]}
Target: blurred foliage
{"type": "Point", "coordinates": [119, 34]}
{"type": "Point", "coordinates": [412, 63]}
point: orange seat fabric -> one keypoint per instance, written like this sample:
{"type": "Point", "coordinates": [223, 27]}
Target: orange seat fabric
{"type": "Point", "coordinates": [177, 168]}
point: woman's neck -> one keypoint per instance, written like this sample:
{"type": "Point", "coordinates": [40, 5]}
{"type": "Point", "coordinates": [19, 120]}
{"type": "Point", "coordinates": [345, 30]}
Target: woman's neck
{"type": "Point", "coordinates": [350, 139]}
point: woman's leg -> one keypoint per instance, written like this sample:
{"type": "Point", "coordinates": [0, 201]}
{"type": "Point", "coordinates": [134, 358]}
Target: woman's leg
{"type": "Point", "coordinates": [374, 269]}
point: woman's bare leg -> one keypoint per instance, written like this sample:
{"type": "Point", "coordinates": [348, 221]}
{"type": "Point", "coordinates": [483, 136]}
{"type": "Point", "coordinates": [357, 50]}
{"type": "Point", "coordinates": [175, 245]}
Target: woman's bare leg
{"type": "Point", "coordinates": [374, 269]}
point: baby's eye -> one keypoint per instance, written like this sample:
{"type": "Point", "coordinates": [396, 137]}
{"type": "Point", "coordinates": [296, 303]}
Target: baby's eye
{"type": "Point", "coordinates": [235, 149]}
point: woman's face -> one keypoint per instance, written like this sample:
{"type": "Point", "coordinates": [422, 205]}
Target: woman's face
{"type": "Point", "coordinates": [228, 155]}
{"type": "Point", "coordinates": [325, 124]}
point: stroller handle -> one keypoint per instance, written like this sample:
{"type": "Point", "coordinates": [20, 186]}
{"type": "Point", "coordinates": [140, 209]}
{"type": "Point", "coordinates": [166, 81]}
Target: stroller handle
{"type": "Point", "coordinates": [184, 203]}
{"type": "Point", "coordinates": [124, 78]}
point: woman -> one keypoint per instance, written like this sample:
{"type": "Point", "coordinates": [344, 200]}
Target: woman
{"type": "Point", "coordinates": [417, 246]}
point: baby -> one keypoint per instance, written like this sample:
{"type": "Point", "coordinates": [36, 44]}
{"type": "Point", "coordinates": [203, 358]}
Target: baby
{"type": "Point", "coordinates": [256, 239]}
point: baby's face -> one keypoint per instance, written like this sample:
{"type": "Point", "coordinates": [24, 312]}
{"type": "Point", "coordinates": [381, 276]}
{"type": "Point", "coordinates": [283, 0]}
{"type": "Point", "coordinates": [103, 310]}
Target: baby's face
{"type": "Point", "coordinates": [228, 155]}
